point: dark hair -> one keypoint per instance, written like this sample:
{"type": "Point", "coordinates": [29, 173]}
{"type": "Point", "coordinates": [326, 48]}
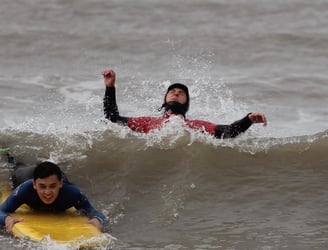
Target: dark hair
{"type": "Point", "coordinates": [46, 169]}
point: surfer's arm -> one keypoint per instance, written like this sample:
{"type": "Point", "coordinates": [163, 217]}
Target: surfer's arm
{"type": "Point", "coordinates": [234, 129]}
{"type": "Point", "coordinates": [3, 216]}
{"type": "Point", "coordinates": [85, 206]}
{"type": "Point", "coordinates": [110, 107]}
{"type": "Point", "coordinates": [92, 213]}
{"type": "Point", "coordinates": [9, 206]}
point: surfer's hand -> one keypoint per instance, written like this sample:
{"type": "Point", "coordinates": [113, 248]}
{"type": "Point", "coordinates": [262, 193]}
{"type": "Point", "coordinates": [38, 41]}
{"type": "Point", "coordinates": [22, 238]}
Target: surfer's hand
{"type": "Point", "coordinates": [109, 77]}
{"type": "Point", "coordinates": [258, 118]}
{"type": "Point", "coordinates": [96, 223]}
{"type": "Point", "coordinates": [10, 222]}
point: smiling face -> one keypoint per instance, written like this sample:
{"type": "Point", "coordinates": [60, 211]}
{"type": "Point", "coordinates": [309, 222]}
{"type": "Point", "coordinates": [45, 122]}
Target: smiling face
{"type": "Point", "coordinates": [48, 188]}
{"type": "Point", "coordinates": [176, 95]}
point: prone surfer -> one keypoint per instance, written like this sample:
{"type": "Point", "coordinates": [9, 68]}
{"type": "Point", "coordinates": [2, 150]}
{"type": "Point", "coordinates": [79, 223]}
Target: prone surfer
{"type": "Point", "coordinates": [47, 190]}
{"type": "Point", "coordinates": [176, 103]}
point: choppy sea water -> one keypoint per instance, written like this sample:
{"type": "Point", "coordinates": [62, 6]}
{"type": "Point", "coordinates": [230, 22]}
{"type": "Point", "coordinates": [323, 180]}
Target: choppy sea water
{"type": "Point", "coordinates": [174, 188]}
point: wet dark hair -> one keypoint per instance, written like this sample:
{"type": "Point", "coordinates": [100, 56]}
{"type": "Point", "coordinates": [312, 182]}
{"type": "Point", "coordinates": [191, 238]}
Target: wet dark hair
{"type": "Point", "coordinates": [46, 169]}
{"type": "Point", "coordinates": [175, 106]}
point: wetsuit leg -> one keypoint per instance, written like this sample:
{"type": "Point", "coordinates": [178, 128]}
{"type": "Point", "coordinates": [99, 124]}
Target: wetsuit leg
{"type": "Point", "coordinates": [21, 174]}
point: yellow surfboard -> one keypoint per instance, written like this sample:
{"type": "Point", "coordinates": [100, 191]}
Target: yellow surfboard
{"type": "Point", "coordinates": [70, 228]}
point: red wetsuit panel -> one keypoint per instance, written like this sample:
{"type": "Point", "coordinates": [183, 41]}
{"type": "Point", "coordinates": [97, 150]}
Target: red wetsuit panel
{"type": "Point", "coordinates": [202, 126]}
{"type": "Point", "coordinates": [146, 124]}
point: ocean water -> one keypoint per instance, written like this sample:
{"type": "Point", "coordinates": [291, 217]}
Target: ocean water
{"type": "Point", "coordinates": [175, 188]}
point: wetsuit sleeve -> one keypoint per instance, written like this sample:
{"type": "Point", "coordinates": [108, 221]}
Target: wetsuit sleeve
{"type": "Point", "coordinates": [234, 129]}
{"type": "Point", "coordinates": [110, 107]}
{"type": "Point", "coordinates": [85, 206]}
{"type": "Point", "coordinates": [10, 205]}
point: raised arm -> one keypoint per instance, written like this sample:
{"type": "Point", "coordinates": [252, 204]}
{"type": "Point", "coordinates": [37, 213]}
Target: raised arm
{"type": "Point", "coordinates": [110, 107]}
{"type": "Point", "coordinates": [240, 126]}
